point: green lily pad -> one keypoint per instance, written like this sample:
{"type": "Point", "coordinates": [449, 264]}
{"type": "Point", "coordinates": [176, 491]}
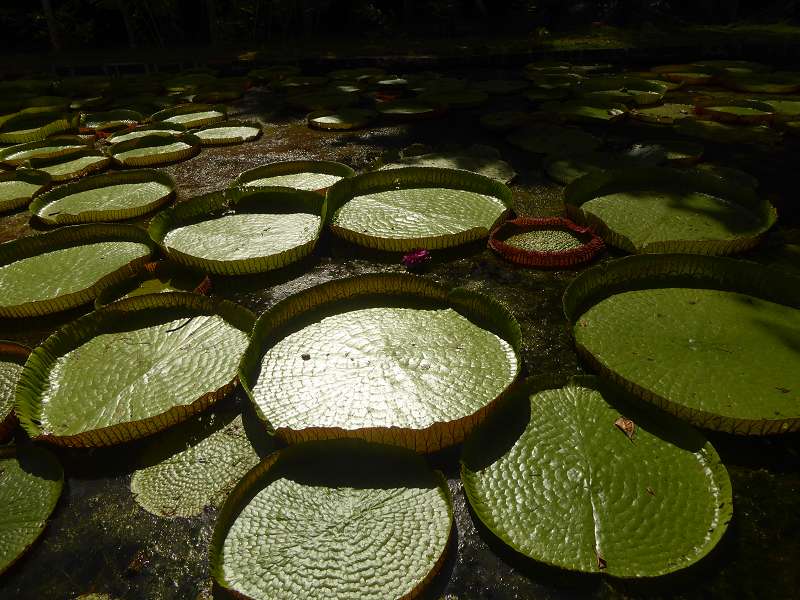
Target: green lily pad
{"type": "Point", "coordinates": [553, 139]}
{"type": "Point", "coordinates": [156, 129]}
{"type": "Point", "coordinates": [62, 269]}
{"type": "Point", "coordinates": [733, 176]}
{"type": "Point", "coordinates": [228, 132]}
{"type": "Point", "coordinates": [154, 278]}
{"type": "Point", "coordinates": [743, 111]}
{"type": "Point", "coordinates": [111, 120]}
{"type": "Point", "coordinates": [674, 152]}
{"type": "Point", "coordinates": [583, 478]}
{"type": "Point", "coordinates": [389, 358]}
{"type": "Point", "coordinates": [641, 92]}
{"type": "Point", "coordinates": [488, 165]}
{"type": "Point", "coordinates": [194, 465]}
{"type": "Point", "coordinates": [416, 207]}
{"type": "Point", "coordinates": [33, 127]}
{"type": "Point", "coordinates": [154, 361]}
{"type": "Point", "coordinates": [12, 359]}
{"type": "Point", "coordinates": [341, 119]}
{"type": "Point", "coordinates": [409, 109]}
{"type": "Point", "coordinates": [586, 111]}
{"type": "Point", "coordinates": [725, 133]}
{"type": "Point", "coordinates": [765, 83]}
{"type": "Point", "coordinates": [664, 114]}
{"type": "Point", "coordinates": [18, 187]}
{"type": "Point", "coordinates": [656, 209]}
{"type": "Point", "coordinates": [306, 523]}
{"type": "Point", "coordinates": [311, 175]}
{"type": "Point", "coordinates": [112, 197]}
{"type": "Point", "coordinates": [14, 156]}
{"type": "Point", "coordinates": [711, 340]}
{"type": "Point", "coordinates": [785, 109]}
{"type": "Point", "coordinates": [240, 230]}
{"type": "Point", "coordinates": [71, 166]}
{"type": "Point", "coordinates": [151, 150]}
{"type": "Point", "coordinates": [566, 169]}
{"type": "Point", "coordinates": [30, 485]}
{"type": "Point", "coordinates": [192, 115]}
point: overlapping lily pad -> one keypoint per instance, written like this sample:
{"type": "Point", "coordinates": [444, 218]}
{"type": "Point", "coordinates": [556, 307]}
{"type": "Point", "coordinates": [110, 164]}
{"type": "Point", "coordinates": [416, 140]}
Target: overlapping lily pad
{"type": "Point", "coordinates": [192, 115]}
{"type": "Point", "coordinates": [416, 207]}
{"type": "Point", "coordinates": [18, 187]}
{"type": "Point", "coordinates": [711, 340]}
{"type": "Point", "coordinates": [641, 92]}
{"type": "Point", "coordinates": [16, 155]}
{"type": "Point", "coordinates": [658, 209]}
{"type": "Point", "coordinates": [111, 120]}
{"type": "Point", "coordinates": [156, 129]}
{"type": "Point", "coordinates": [336, 519]}
{"type": "Point", "coordinates": [56, 271]}
{"type": "Point", "coordinates": [341, 119]}
{"type": "Point", "coordinates": [158, 149]}
{"type": "Point", "coordinates": [71, 166]}
{"type": "Point", "coordinates": [113, 197]}
{"type": "Point", "coordinates": [30, 487]}
{"type": "Point", "coordinates": [154, 278]}
{"type": "Point", "coordinates": [483, 160]}
{"type": "Point", "coordinates": [153, 360]}
{"type": "Point", "coordinates": [405, 109]}
{"type": "Point", "coordinates": [33, 127]}
{"type": "Point", "coordinates": [12, 359]}
{"type": "Point", "coordinates": [228, 132]}
{"type": "Point", "coordinates": [311, 175]}
{"type": "Point", "coordinates": [239, 230]}
{"type": "Point", "coordinates": [582, 478]}
{"type": "Point", "coordinates": [389, 358]}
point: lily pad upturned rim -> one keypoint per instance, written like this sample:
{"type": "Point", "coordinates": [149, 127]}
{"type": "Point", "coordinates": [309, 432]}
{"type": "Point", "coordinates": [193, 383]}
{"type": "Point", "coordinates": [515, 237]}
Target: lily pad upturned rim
{"type": "Point", "coordinates": [359, 117]}
{"type": "Point", "coordinates": [35, 375]}
{"type": "Point", "coordinates": [148, 141]}
{"type": "Point", "coordinates": [345, 190]}
{"type": "Point", "coordinates": [682, 271]}
{"type": "Point", "coordinates": [50, 141]}
{"type": "Point", "coordinates": [597, 184]}
{"type": "Point", "coordinates": [117, 290]}
{"type": "Point", "coordinates": [592, 243]}
{"type": "Point", "coordinates": [66, 237]}
{"type": "Point", "coordinates": [254, 199]}
{"type": "Point", "coordinates": [274, 324]}
{"type": "Point", "coordinates": [226, 141]}
{"type": "Point", "coordinates": [44, 163]}
{"type": "Point", "coordinates": [98, 181]}
{"type": "Point", "coordinates": [246, 490]}
{"type": "Point", "coordinates": [292, 167]}
{"type": "Point", "coordinates": [188, 108]}
{"type": "Point", "coordinates": [33, 176]}
{"type": "Point", "coordinates": [715, 111]}
{"type": "Point", "coordinates": [51, 124]}
{"type": "Point", "coordinates": [117, 118]}
{"type": "Point", "coordinates": [18, 353]}
{"type": "Point", "coordinates": [176, 127]}
{"type": "Point", "coordinates": [474, 451]}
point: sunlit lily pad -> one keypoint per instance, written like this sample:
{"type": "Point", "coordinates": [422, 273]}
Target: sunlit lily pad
{"type": "Point", "coordinates": [192, 115]}
{"type": "Point", "coordinates": [154, 361]}
{"type": "Point", "coordinates": [545, 242]}
{"type": "Point", "coordinates": [311, 175]}
{"type": "Point", "coordinates": [151, 150]}
{"type": "Point", "coordinates": [228, 132]}
{"type": "Point", "coordinates": [154, 278]}
{"type": "Point", "coordinates": [18, 187]}
{"type": "Point", "coordinates": [111, 120]}
{"type": "Point", "coordinates": [71, 166]}
{"type": "Point", "coordinates": [344, 118]}
{"type": "Point", "coordinates": [157, 129]}
{"type": "Point", "coordinates": [12, 359]}
{"type": "Point", "coordinates": [33, 127]}
{"type": "Point", "coordinates": [14, 156]}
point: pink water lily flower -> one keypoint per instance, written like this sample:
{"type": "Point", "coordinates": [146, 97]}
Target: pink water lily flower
{"type": "Point", "coordinates": [416, 259]}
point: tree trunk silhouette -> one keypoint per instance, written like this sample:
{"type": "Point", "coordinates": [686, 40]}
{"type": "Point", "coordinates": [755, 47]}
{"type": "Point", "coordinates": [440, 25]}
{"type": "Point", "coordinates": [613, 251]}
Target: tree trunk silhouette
{"type": "Point", "coordinates": [52, 26]}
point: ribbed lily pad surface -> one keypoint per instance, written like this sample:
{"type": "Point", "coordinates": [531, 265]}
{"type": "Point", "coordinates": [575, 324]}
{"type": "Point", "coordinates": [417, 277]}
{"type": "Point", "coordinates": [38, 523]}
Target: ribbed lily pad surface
{"type": "Point", "coordinates": [389, 358]}
{"type": "Point", "coordinates": [310, 175]}
{"type": "Point", "coordinates": [241, 230]}
{"type": "Point", "coordinates": [337, 519]}
{"type": "Point", "coordinates": [12, 359]}
{"type": "Point", "coordinates": [193, 466]}
{"type": "Point", "coordinates": [18, 187]}
{"type": "Point", "coordinates": [173, 355]}
{"type": "Point", "coordinates": [649, 210]}
{"type": "Point", "coordinates": [404, 209]}
{"type": "Point", "coordinates": [33, 127]}
{"type": "Point", "coordinates": [63, 269]}
{"type": "Point", "coordinates": [49, 148]}
{"type": "Point", "coordinates": [228, 132]}
{"type": "Point", "coordinates": [30, 486]}
{"type": "Point", "coordinates": [157, 129]}
{"type": "Point", "coordinates": [708, 339]}
{"type": "Point", "coordinates": [581, 479]}
{"type": "Point", "coordinates": [105, 198]}
{"type": "Point", "coordinates": [191, 115]}
{"type": "Point", "coordinates": [158, 149]}
{"type": "Point", "coordinates": [71, 166]}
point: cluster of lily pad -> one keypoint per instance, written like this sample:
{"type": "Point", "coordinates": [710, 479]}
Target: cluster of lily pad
{"type": "Point", "coordinates": [358, 378]}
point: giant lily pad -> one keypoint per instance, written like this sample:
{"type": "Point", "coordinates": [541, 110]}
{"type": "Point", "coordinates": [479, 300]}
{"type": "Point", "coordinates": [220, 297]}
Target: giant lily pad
{"type": "Point", "coordinates": [156, 129]}
{"type": "Point", "coordinates": [18, 187]}
{"type": "Point", "coordinates": [404, 209]}
{"type": "Point", "coordinates": [662, 114]}
{"type": "Point", "coordinates": [239, 231]}
{"type": "Point", "coordinates": [405, 109]}
{"type": "Point", "coordinates": [582, 478]}
{"type": "Point", "coordinates": [341, 119]}
{"type": "Point", "coordinates": [191, 115]}
{"type": "Point", "coordinates": [195, 465]}
{"type": "Point", "coordinates": [14, 156]}
{"type": "Point", "coordinates": [641, 92]}
{"type": "Point", "coordinates": [311, 175]}
{"type": "Point", "coordinates": [33, 127]}
{"type": "Point", "coordinates": [481, 160]}
{"type": "Point", "coordinates": [228, 132]}
{"type": "Point", "coordinates": [158, 149]}
{"type": "Point", "coordinates": [725, 133]}
{"type": "Point", "coordinates": [30, 486]}
{"type": "Point", "coordinates": [336, 519]}
{"type": "Point", "coordinates": [111, 120]}
{"type": "Point", "coordinates": [12, 359]}
{"type": "Point", "coordinates": [111, 197]}
{"type": "Point", "coordinates": [389, 358]}
{"type": "Point", "coordinates": [656, 209]}
{"type": "Point", "coordinates": [553, 139]}
{"type": "Point", "coordinates": [71, 166]}
{"type": "Point", "coordinates": [56, 271]}
{"type": "Point", "coordinates": [711, 340]}
{"type": "Point", "coordinates": [154, 361]}
{"type": "Point", "coordinates": [739, 111]}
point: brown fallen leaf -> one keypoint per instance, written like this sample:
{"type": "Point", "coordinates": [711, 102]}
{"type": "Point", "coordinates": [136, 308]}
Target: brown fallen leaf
{"type": "Point", "coordinates": [626, 426]}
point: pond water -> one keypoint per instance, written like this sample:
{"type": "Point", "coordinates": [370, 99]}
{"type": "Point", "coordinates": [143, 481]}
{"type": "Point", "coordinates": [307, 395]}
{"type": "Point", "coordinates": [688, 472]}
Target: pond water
{"type": "Point", "coordinates": [100, 540]}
